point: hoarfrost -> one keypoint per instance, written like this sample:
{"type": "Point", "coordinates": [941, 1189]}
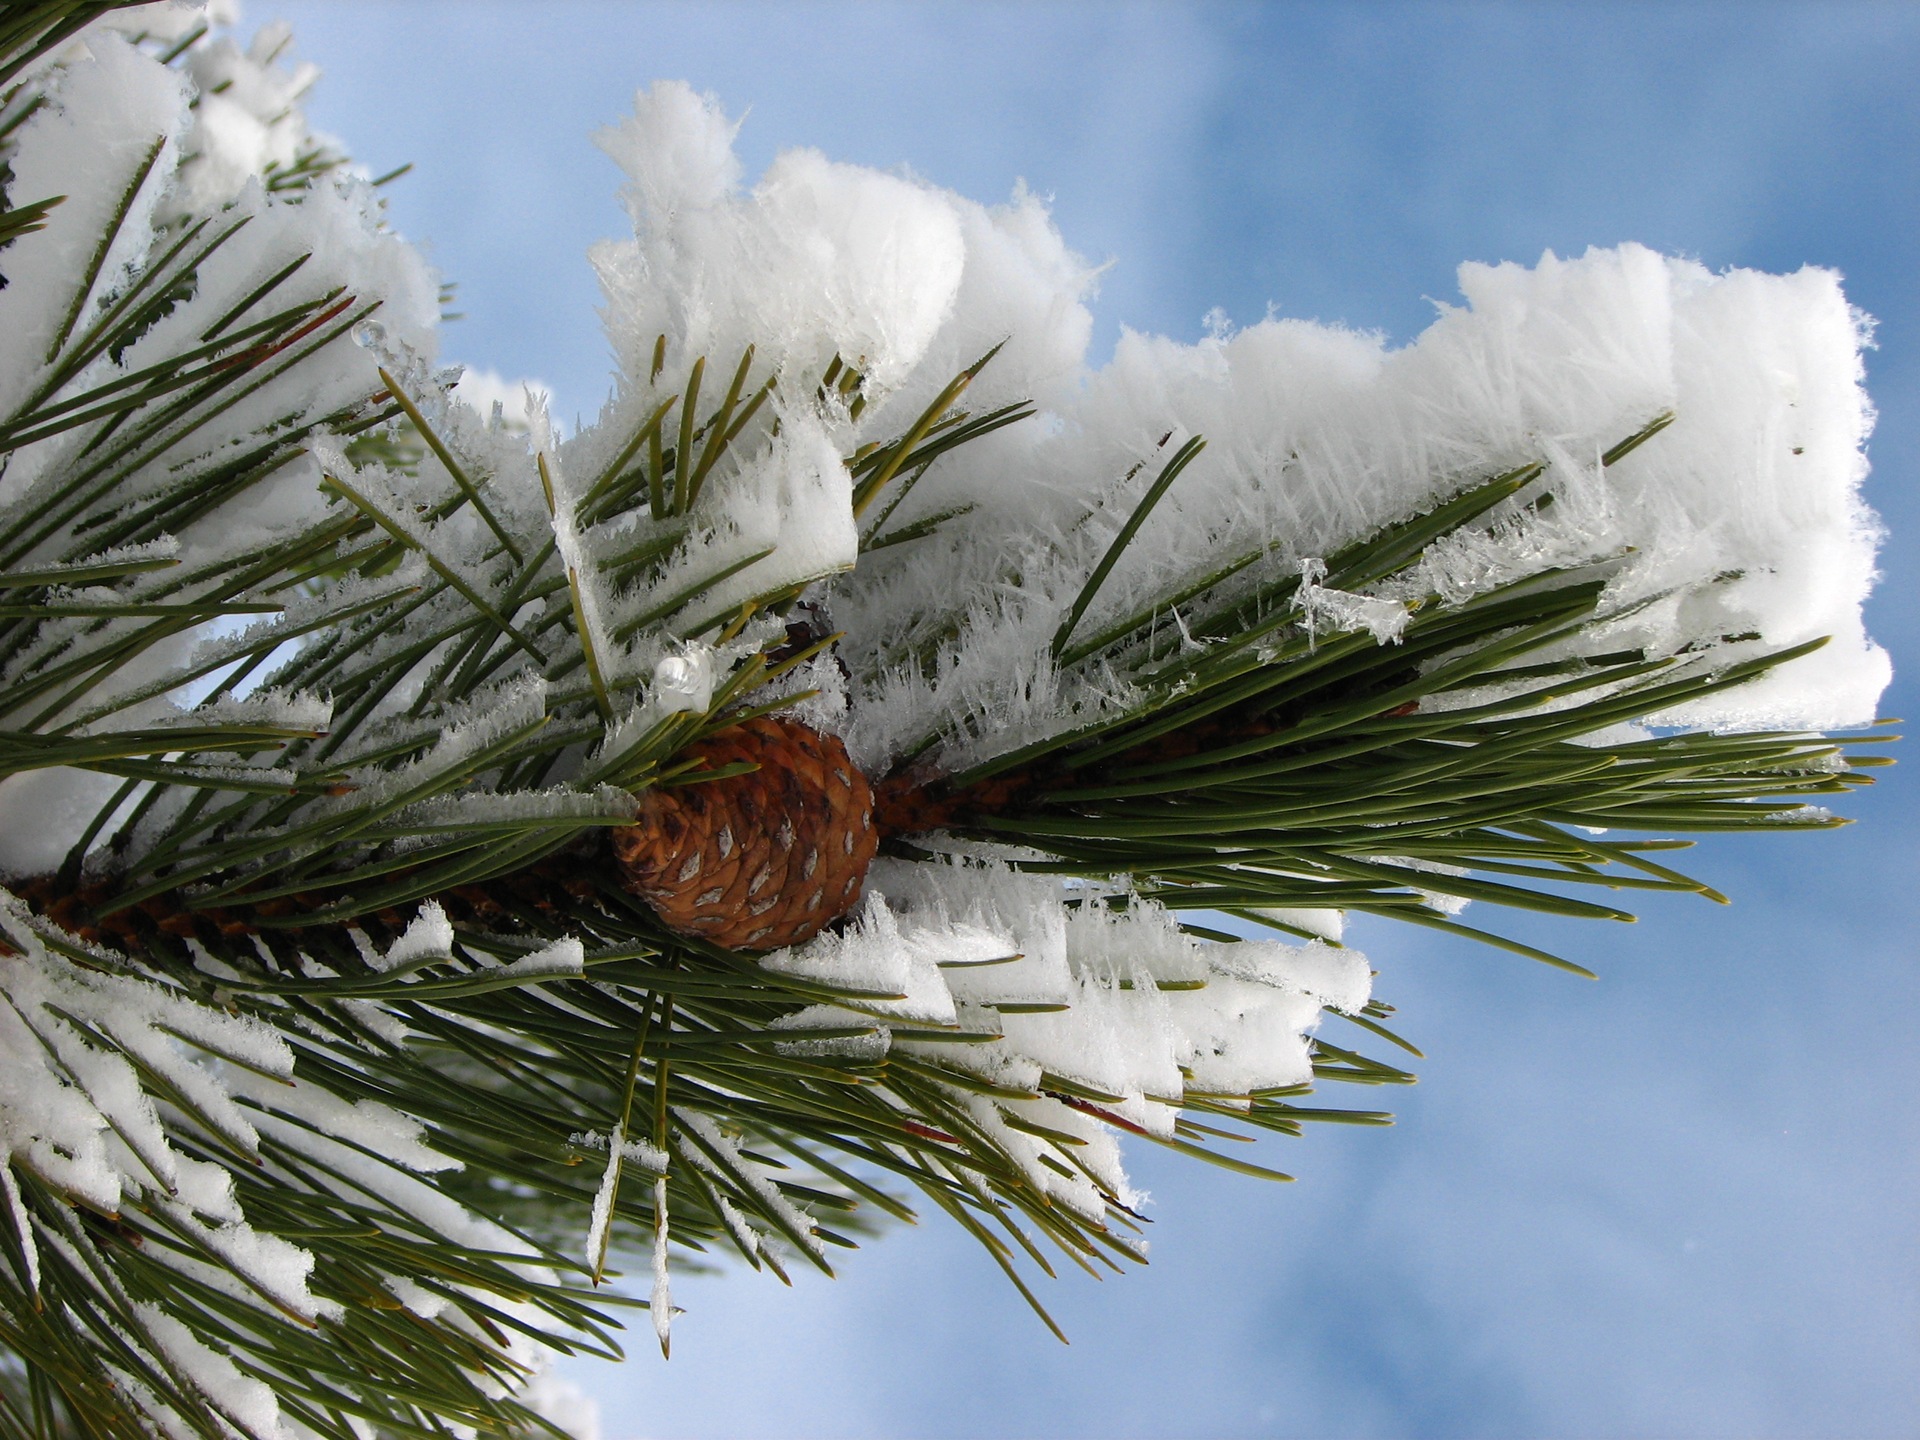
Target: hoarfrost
{"type": "Point", "coordinates": [734, 1166]}
{"type": "Point", "coordinates": [1384, 619]}
{"type": "Point", "coordinates": [513, 402]}
{"type": "Point", "coordinates": [416, 1297]}
{"type": "Point", "coordinates": [870, 1043]}
{"type": "Point", "coordinates": [1324, 924]}
{"type": "Point", "coordinates": [563, 959]}
{"type": "Point", "coordinates": [878, 954]}
{"type": "Point", "coordinates": [1745, 516]}
{"type": "Point", "coordinates": [684, 682]}
{"type": "Point", "coordinates": [1335, 976]}
{"type": "Point", "coordinates": [820, 259]}
{"type": "Point", "coordinates": [428, 936]}
{"type": "Point", "coordinates": [106, 141]}
{"type": "Point", "coordinates": [660, 1301]}
{"type": "Point", "coordinates": [794, 501]}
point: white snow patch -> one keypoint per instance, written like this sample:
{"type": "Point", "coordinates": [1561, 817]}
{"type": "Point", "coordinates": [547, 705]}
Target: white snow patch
{"type": "Point", "coordinates": [428, 936]}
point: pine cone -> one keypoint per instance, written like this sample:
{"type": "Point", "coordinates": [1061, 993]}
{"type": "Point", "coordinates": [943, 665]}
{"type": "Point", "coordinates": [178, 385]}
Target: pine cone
{"type": "Point", "coordinates": [760, 860]}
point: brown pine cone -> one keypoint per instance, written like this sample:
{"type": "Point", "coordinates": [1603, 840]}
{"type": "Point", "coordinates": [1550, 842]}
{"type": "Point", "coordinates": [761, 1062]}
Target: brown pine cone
{"type": "Point", "coordinates": [760, 860]}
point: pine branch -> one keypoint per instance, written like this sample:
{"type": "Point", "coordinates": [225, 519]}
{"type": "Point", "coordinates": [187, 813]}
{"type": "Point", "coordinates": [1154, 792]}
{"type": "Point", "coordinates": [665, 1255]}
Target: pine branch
{"type": "Point", "coordinates": [367, 902]}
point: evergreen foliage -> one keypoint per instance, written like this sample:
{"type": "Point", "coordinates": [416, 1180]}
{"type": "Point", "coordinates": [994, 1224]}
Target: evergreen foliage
{"type": "Point", "coordinates": [370, 678]}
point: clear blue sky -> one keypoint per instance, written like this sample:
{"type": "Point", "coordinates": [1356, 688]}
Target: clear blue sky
{"type": "Point", "coordinates": [1680, 1202]}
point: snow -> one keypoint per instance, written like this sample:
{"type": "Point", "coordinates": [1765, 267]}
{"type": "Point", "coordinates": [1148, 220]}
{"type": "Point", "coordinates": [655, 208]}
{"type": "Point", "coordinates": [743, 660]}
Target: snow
{"type": "Point", "coordinates": [1439, 899]}
{"type": "Point", "coordinates": [684, 682]}
{"type": "Point", "coordinates": [62, 801]}
{"type": "Point", "coordinates": [1117, 999]}
{"type": "Point", "coordinates": [721, 1157]}
{"type": "Point", "coordinates": [22, 1227]}
{"type": "Point", "coordinates": [89, 144]}
{"type": "Point", "coordinates": [111, 103]}
{"type": "Point", "coordinates": [398, 1139]}
{"type": "Point", "coordinates": [795, 499]}
{"type": "Point", "coordinates": [69, 1083]}
{"type": "Point", "coordinates": [876, 953]}
{"type": "Point", "coordinates": [1335, 976]}
{"type": "Point", "coordinates": [564, 1403]}
{"type": "Point", "coordinates": [1242, 1035]}
{"type": "Point", "coordinates": [1317, 435]}
{"type": "Point", "coordinates": [1112, 1039]}
{"type": "Point", "coordinates": [428, 936]}
{"type": "Point", "coordinates": [821, 259]}
{"type": "Point", "coordinates": [276, 1268]}
{"type": "Point", "coordinates": [1327, 925]}
{"type": "Point", "coordinates": [75, 1111]}
{"type": "Point", "coordinates": [564, 959]}
{"type": "Point", "coordinates": [999, 912]}
{"type": "Point", "coordinates": [1085, 1195]}
{"type": "Point", "coordinates": [1742, 518]}
{"type": "Point", "coordinates": [660, 1300]}
{"type": "Point", "coordinates": [1329, 609]}
{"type": "Point", "coordinates": [102, 1071]}
{"type": "Point", "coordinates": [870, 1045]}
{"type": "Point", "coordinates": [517, 400]}
{"type": "Point", "coordinates": [168, 20]}
{"type": "Point", "coordinates": [600, 1220]}
{"type": "Point", "coordinates": [249, 117]}
{"type": "Point", "coordinates": [637, 1152]}
{"type": "Point", "coordinates": [416, 1297]}
{"type": "Point", "coordinates": [378, 1158]}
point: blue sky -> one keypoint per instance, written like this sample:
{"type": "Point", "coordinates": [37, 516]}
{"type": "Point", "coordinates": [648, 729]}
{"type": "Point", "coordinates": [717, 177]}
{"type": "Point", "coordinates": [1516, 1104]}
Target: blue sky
{"type": "Point", "coordinates": [1676, 1202]}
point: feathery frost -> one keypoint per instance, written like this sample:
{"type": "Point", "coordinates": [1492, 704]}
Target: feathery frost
{"type": "Point", "coordinates": [424, 636]}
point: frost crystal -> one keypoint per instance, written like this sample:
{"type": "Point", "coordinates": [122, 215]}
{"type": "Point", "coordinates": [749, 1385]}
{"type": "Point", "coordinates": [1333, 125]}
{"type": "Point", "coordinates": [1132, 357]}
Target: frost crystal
{"type": "Point", "coordinates": [472, 584]}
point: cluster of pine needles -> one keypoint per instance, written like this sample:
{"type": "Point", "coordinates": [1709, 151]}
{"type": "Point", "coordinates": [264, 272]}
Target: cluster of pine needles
{"type": "Point", "coordinates": [1269, 768]}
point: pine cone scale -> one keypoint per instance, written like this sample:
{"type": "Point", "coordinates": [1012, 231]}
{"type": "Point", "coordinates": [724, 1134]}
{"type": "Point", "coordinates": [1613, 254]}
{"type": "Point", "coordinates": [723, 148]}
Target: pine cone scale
{"type": "Point", "coordinates": [759, 860]}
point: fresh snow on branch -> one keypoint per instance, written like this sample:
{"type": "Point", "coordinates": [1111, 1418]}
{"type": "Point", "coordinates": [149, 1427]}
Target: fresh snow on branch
{"type": "Point", "coordinates": [1116, 1001]}
{"type": "Point", "coordinates": [508, 583]}
{"type": "Point", "coordinates": [1743, 519]}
